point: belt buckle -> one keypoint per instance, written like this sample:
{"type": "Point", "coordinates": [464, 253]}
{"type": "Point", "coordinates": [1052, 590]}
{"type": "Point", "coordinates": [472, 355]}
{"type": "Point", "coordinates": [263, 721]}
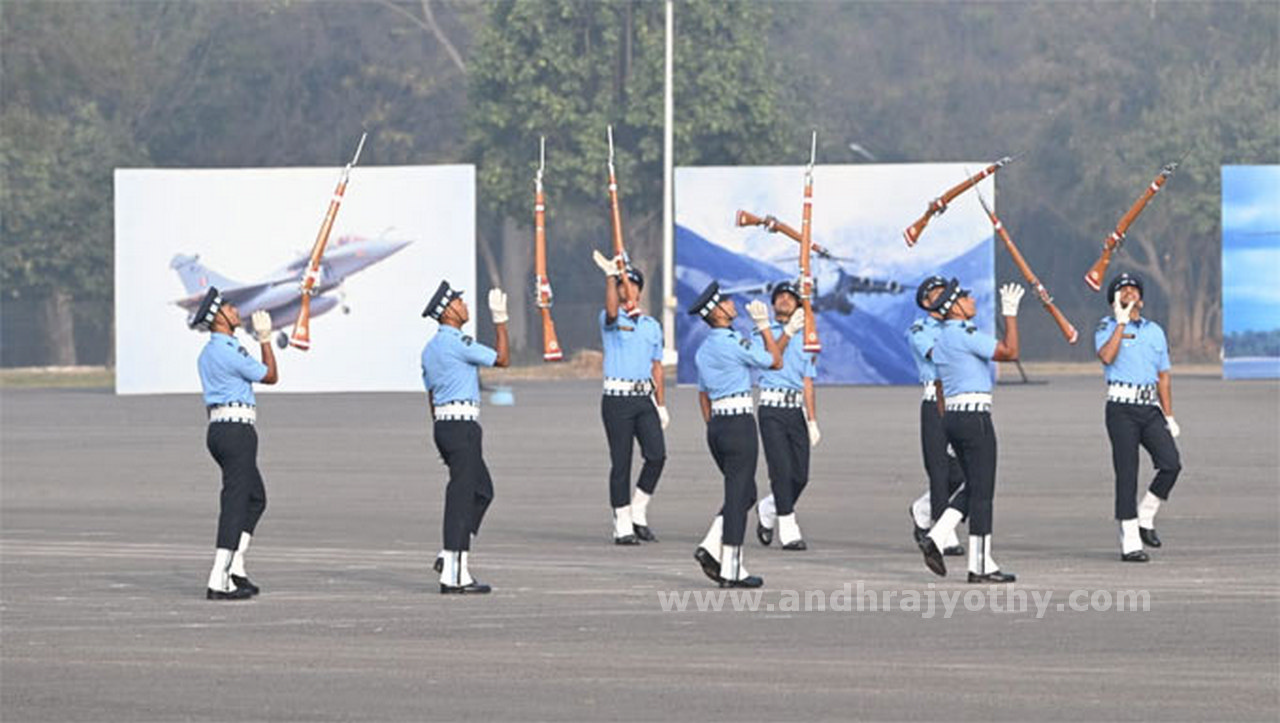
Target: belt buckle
{"type": "Point", "coordinates": [638, 388]}
{"type": "Point", "coordinates": [1144, 394]}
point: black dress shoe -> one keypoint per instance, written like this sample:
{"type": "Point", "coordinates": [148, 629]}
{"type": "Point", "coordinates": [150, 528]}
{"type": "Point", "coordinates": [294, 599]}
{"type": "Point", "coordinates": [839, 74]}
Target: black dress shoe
{"type": "Point", "coordinates": [997, 576]}
{"type": "Point", "coordinates": [244, 583]}
{"type": "Point", "coordinates": [237, 594]}
{"type": "Point", "coordinates": [1149, 537]}
{"type": "Point", "coordinates": [438, 565]}
{"type": "Point", "coordinates": [1135, 556]}
{"type": "Point", "coordinates": [933, 556]}
{"type": "Point", "coordinates": [795, 545]}
{"type": "Point", "coordinates": [917, 531]}
{"type": "Point", "coordinates": [626, 540]}
{"type": "Point", "coordinates": [764, 534]}
{"type": "Point", "coordinates": [474, 588]}
{"type": "Point", "coordinates": [644, 533]}
{"type": "Point", "coordinates": [748, 581]}
{"type": "Point", "coordinates": [710, 567]}
{"type": "Point", "coordinates": [953, 551]}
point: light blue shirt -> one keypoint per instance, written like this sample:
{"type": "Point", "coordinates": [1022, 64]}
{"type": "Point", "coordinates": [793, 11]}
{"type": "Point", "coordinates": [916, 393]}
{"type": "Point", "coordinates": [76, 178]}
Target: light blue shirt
{"type": "Point", "coordinates": [631, 346]}
{"type": "Point", "coordinates": [921, 336]}
{"type": "Point", "coordinates": [227, 372]}
{"type": "Point", "coordinates": [725, 361]}
{"type": "Point", "coordinates": [449, 366]}
{"type": "Point", "coordinates": [797, 364]}
{"type": "Point", "coordinates": [1144, 351]}
{"type": "Point", "coordinates": [961, 354]}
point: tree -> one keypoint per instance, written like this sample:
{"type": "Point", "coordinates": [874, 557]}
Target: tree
{"type": "Point", "coordinates": [56, 217]}
{"type": "Point", "coordinates": [568, 68]}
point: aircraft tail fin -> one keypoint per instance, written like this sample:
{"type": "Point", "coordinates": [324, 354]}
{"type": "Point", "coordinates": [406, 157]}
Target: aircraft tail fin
{"type": "Point", "coordinates": [196, 277]}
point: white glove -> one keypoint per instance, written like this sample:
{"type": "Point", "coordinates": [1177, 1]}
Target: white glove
{"type": "Point", "coordinates": [795, 325]}
{"type": "Point", "coordinates": [1122, 312]}
{"type": "Point", "coordinates": [609, 266]}
{"type": "Point", "coordinates": [498, 306]}
{"type": "Point", "coordinates": [663, 416]}
{"type": "Point", "coordinates": [1174, 429]}
{"type": "Point", "coordinates": [1010, 297]}
{"type": "Point", "coordinates": [262, 326]}
{"type": "Point", "coordinates": [759, 313]}
{"type": "Point", "coordinates": [814, 435]}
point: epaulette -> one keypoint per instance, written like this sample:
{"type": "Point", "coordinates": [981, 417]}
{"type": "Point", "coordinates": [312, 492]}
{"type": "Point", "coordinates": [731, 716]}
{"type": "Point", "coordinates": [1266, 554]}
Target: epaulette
{"type": "Point", "coordinates": [745, 342]}
{"type": "Point", "coordinates": [1102, 323]}
{"type": "Point", "coordinates": [242, 350]}
{"type": "Point", "coordinates": [971, 330]}
{"type": "Point", "coordinates": [917, 327]}
{"type": "Point", "coordinates": [467, 340]}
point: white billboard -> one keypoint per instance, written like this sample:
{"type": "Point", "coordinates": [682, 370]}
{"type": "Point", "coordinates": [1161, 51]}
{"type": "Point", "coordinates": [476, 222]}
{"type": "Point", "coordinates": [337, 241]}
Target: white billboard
{"type": "Point", "coordinates": [400, 230]}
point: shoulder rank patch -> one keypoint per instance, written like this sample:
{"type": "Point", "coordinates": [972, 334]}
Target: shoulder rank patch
{"type": "Point", "coordinates": [746, 343]}
{"type": "Point", "coordinates": [467, 340]}
{"type": "Point", "coordinates": [971, 330]}
{"type": "Point", "coordinates": [1102, 324]}
{"type": "Point", "coordinates": [242, 350]}
{"type": "Point", "coordinates": [917, 327]}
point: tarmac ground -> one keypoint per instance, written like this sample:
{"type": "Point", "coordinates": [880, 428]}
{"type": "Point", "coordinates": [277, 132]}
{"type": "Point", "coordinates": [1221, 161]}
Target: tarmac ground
{"type": "Point", "coordinates": [108, 508]}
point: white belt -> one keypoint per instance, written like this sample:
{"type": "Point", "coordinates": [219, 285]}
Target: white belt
{"type": "Point", "coordinates": [930, 392]}
{"type": "Point", "coordinates": [1126, 393]}
{"type": "Point", "coordinates": [627, 387]}
{"type": "Point", "coordinates": [457, 412]}
{"type": "Point", "coordinates": [789, 398]}
{"type": "Point", "coordinates": [736, 404]}
{"type": "Point", "coordinates": [969, 402]}
{"type": "Point", "coordinates": [239, 413]}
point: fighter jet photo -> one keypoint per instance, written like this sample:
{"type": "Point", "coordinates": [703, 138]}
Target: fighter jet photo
{"type": "Point", "coordinates": [828, 294]}
{"type": "Point", "coordinates": [279, 294]}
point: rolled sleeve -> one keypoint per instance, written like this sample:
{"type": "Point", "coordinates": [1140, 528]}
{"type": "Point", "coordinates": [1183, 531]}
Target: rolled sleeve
{"type": "Point", "coordinates": [249, 368]}
{"type": "Point", "coordinates": [479, 355]}
{"type": "Point", "coordinates": [982, 345]}
{"type": "Point", "coordinates": [921, 342]}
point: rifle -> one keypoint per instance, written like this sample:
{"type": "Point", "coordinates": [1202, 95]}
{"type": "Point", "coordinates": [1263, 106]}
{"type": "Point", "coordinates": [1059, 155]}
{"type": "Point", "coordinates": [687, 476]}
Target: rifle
{"type": "Point", "coordinates": [1068, 331]}
{"type": "Point", "coordinates": [773, 225]}
{"type": "Point", "coordinates": [541, 284]}
{"type": "Point", "coordinates": [938, 205]}
{"type": "Point", "coordinates": [301, 337]}
{"type": "Point", "coordinates": [811, 342]}
{"type": "Point", "coordinates": [629, 304]}
{"type": "Point", "coordinates": [1093, 277]}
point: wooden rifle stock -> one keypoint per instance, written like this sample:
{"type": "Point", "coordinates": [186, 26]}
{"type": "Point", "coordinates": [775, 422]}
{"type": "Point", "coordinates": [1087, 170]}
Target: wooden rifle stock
{"type": "Point", "coordinates": [1068, 330]}
{"type": "Point", "coordinates": [301, 336]}
{"type": "Point", "coordinates": [551, 350]}
{"type": "Point", "coordinates": [1093, 277]}
{"type": "Point", "coordinates": [939, 205]}
{"type": "Point", "coordinates": [630, 304]}
{"type": "Point", "coordinates": [773, 225]}
{"type": "Point", "coordinates": [812, 344]}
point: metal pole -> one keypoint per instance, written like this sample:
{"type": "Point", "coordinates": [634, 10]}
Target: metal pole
{"type": "Point", "coordinates": [668, 202]}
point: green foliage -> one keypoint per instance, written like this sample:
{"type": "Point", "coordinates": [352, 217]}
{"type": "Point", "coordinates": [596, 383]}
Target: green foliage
{"type": "Point", "coordinates": [55, 216]}
{"type": "Point", "coordinates": [568, 68]}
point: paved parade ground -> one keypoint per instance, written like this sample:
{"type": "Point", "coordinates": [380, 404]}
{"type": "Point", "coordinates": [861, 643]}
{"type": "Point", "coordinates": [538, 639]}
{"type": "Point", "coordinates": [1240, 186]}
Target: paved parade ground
{"type": "Point", "coordinates": [107, 520]}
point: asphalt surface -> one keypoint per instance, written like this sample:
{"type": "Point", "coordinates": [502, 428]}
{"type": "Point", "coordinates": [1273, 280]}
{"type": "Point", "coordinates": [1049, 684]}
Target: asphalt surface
{"type": "Point", "coordinates": [107, 517]}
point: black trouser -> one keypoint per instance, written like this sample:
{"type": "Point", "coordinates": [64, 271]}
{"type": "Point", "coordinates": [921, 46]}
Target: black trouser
{"type": "Point", "coordinates": [1130, 425]}
{"type": "Point", "coordinates": [244, 498]}
{"type": "Point", "coordinates": [786, 452]}
{"type": "Point", "coordinates": [627, 419]}
{"type": "Point", "coordinates": [973, 437]}
{"type": "Point", "coordinates": [470, 488]}
{"type": "Point", "coordinates": [733, 442]}
{"type": "Point", "coordinates": [946, 478]}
